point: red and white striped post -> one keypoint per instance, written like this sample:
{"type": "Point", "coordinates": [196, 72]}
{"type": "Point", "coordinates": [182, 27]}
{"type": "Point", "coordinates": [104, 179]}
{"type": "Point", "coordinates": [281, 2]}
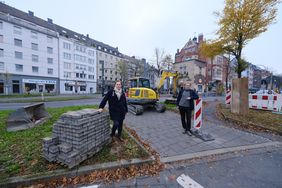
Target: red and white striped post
{"type": "Point", "coordinates": [228, 98]}
{"type": "Point", "coordinates": [198, 114]}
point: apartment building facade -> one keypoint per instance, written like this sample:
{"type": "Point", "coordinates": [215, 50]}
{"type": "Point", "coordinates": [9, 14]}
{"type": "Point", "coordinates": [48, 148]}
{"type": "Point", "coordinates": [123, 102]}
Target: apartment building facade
{"type": "Point", "coordinates": [108, 73]}
{"type": "Point", "coordinates": [37, 55]}
{"type": "Point", "coordinates": [193, 71]}
{"type": "Point", "coordinates": [215, 68]}
{"type": "Point", "coordinates": [28, 53]}
{"type": "Point", "coordinates": [77, 62]}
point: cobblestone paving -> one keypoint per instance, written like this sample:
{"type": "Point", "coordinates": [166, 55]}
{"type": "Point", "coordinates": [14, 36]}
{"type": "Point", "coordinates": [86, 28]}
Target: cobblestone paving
{"type": "Point", "coordinates": [164, 132]}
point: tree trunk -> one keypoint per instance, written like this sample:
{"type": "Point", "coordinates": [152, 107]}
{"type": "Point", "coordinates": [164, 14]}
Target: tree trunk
{"type": "Point", "coordinates": [240, 96]}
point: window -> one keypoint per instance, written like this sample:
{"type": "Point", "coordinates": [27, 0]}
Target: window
{"type": "Point", "coordinates": [19, 68]}
{"type": "Point", "coordinates": [67, 74]}
{"type": "Point", "coordinates": [16, 86]}
{"type": "Point", "coordinates": [1, 52]}
{"type": "Point", "coordinates": [49, 39]}
{"type": "Point", "coordinates": [1, 87]}
{"type": "Point", "coordinates": [35, 69]}
{"type": "Point", "coordinates": [50, 60]}
{"type": "Point", "coordinates": [49, 87]}
{"type": "Point", "coordinates": [1, 38]}
{"type": "Point", "coordinates": [67, 65]}
{"type": "Point", "coordinates": [1, 65]}
{"type": "Point", "coordinates": [50, 71]}
{"type": "Point", "coordinates": [82, 88]}
{"type": "Point", "coordinates": [68, 87]}
{"type": "Point", "coordinates": [34, 35]}
{"type": "Point", "coordinates": [35, 58]}
{"type": "Point", "coordinates": [91, 52]}
{"type": "Point", "coordinates": [18, 55]}
{"type": "Point", "coordinates": [17, 30]}
{"type": "Point", "coordinates": [67, 45]}
{"type": "Point", "coordinates": [91, 69]}
{"type": "Point", "coordinates": [80, 58]}
{"type": "Point", "coordinates": [1, 25]}
{"type": "Point", "coordinates": [49, 50]}
{"type": "Point", "coordinates": [18, 42]}
{"type": "Point", "coordinates": [67, 56]}
{"type": "Point", "coordinates": [34, 46]}
{"type": "Point", "coordinates": [91, 77]}
{"type": "Point", "coordinates": [91, 61]}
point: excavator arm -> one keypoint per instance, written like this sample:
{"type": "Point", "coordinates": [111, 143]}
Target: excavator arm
{"type": "Point", "coordinates": [166, 74]}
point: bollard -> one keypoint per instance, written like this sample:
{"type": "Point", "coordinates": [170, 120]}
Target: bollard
{"type": "Point", "coordinates": [228, 98]}
{"type": "Point", "coordinates": [198, 114]}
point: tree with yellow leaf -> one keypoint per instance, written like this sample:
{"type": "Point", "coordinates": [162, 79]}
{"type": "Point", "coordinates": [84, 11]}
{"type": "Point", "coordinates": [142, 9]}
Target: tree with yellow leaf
{"type": "Point", "coordinates": [241, 21]}
{"type": "Point", "coordinates": [210, 49]}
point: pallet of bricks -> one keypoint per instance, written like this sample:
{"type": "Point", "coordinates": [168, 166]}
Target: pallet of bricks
{"type": "Point", "coordinates": [76, 136]}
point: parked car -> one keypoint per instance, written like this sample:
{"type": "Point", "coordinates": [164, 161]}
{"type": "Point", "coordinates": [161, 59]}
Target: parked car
{"type": "Point", "coordinates": [253, 90]}
{"type": "Point", "coordinates": [265, 91]}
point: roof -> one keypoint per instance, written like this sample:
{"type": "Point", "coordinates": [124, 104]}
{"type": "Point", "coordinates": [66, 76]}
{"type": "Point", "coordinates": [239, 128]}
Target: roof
{"type": "Point", "coordinates": [190, 60]}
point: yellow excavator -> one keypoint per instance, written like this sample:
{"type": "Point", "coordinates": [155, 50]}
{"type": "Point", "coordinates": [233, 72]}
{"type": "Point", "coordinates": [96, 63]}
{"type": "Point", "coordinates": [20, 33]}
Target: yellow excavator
{"type": "Point", "coordinates": [141, 96]}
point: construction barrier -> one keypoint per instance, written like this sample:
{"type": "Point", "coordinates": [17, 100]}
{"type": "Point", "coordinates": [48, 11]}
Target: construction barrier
{"type": "Point", "coordinates": [198, 114]}
{"type": "Point", "coordinates": [266, 102]}
{"type": "Point", "coordinates": [228, 97]}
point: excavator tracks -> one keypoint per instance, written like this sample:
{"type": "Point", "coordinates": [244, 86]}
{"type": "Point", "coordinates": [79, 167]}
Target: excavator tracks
{"type": "Point", "coordinates": [139, 109]}
{"type": "Point", "coordinates": [135, 109]}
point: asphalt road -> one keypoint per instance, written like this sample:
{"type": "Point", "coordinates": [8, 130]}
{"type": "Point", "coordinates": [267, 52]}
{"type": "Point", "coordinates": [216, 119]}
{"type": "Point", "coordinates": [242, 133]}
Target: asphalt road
{"type": "Point", "coordinates": [56, 104]}
{"type": "Point", "coordinates": [259, 168]}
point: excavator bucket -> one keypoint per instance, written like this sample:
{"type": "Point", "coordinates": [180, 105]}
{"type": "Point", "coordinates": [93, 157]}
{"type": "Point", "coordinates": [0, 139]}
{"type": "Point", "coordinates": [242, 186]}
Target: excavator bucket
{"type": "Point", "coordinates": [27, 117]}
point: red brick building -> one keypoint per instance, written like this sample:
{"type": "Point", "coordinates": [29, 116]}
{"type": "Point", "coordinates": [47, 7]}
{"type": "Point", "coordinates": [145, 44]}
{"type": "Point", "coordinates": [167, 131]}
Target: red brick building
{"type": "Point", "coordinates": [215, 69]}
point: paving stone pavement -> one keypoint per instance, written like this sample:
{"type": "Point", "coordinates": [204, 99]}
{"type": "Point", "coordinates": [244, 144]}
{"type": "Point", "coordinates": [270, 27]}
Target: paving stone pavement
{"type": "Point", "coordinates": [164, 133]}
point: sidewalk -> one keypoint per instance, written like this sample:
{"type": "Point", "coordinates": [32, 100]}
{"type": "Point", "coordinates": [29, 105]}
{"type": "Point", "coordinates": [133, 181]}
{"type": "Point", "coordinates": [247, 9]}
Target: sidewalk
{"type": "Point", "coordinates": [164, 133]}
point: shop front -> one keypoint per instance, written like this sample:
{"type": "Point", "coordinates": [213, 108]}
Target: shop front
{"type": "Point", "coordinates": [39, 86]}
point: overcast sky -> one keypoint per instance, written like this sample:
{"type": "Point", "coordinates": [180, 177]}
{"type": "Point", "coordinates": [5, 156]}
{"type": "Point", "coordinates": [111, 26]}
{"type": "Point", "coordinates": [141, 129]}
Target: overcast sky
{"type": "Point", "coordinates": [136, 27]}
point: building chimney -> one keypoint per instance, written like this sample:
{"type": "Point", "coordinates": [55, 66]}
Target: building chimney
{"type": "Point", "coordinates": [50, 20]}
{"type": "Point", "coordinates": [178, 50]}
{"type": "Point", "coordinates": [30, 13]}
{"type": "Point", "coordinates": [200, 38]}
{"type": "Point", "coordinates": [87, 35]}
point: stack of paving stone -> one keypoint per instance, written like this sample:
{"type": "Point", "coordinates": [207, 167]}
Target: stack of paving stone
{"type": "Point", "coordinates": [76, 136]}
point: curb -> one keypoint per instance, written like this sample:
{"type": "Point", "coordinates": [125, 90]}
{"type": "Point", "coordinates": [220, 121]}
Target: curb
{"type": "Point", "coordinates": [28, 180]}
{"type": "Point", "coordinates": [78, 171]}
{"type": "Point", "coordinates": [216, 152]}
{"type": "Point", "coordinates": [243, 124]}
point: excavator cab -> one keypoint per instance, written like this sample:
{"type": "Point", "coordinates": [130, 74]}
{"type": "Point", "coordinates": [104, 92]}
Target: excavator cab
{"type": "Point", "coordinates": [141, 96]}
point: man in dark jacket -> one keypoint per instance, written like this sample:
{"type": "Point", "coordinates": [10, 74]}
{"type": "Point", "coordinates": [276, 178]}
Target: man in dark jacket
{"type": "Point", "coordinates": [185, 102]}
{"type": "Point", "coordinates": [117, 108]}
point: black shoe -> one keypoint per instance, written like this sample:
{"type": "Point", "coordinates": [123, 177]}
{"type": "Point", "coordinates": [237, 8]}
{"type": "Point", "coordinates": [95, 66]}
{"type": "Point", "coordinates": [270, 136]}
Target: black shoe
{"type": "Point", "coordinates": [185, 132]}
{"type": "Point", "coordinates": [189, 133]}
{"type": "Point", "coordinates": [112, 135]}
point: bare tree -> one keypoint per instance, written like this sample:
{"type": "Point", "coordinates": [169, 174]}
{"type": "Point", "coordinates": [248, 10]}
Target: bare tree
{"type": "Point", "coordinates": [123, 71]}
{"type": "Point", "coordinates": [167, 62]}
{"type": "Point", "coordinates": [158, 59]}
